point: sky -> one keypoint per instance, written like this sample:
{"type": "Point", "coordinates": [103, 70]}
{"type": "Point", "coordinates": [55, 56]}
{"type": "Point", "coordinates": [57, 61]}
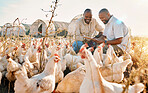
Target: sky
{"type": "Point", "coordinates": [134, 13]}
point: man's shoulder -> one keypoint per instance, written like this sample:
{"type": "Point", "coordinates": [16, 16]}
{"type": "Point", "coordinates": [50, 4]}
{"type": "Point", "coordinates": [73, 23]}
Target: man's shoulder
{"type": "Point", "coordinates": [80, 19]}
{"type": "Point", "coordinates": [116, 21]}
{"type": "Point", "coordinates": [93, 19]}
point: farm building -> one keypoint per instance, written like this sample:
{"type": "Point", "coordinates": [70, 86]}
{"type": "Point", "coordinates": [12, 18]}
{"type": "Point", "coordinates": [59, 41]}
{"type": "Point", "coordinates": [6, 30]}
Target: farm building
{"type": "Point", "coordinates": [27, 28]}
{"type": "Point", "coordinates": [39, 27]}
{"type": "Point", "coordinates": [10, 29]}
{"type": "Point", "coordinates": [6, 29]}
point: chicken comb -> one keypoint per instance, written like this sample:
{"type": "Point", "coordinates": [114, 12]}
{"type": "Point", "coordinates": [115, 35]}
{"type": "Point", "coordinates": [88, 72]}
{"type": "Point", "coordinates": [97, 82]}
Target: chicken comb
{"type": "Point", "coordinates": [52, 43]}
{"type": "Point", "coordinates": [56, 55]}
{"type": "Point", "coordinates": [39, 47]}
{"type": "Point", "coordinates": [23, 43]}
{"type": "Point", "coordinates": [66, 46]}
{"type": "Point", "coordinates": [54, 91]}
{"type": "Point", "coordinates": [133, 43]}
{"type": "Point", "coordinates": [86, 45]}
{"type": "Point", "coordinates": [41, 40]}
{"type": "Point", "coordinates": [58, 47]}
{"type": "Point", "coordinates": [47, 45]}
{"type": "Point", "coordinates": [92, 49]}
{"type": "Point", "coordinates": [16, 48]}
{"type": "Point", "coordinates": [109, 45]}
{"type": "Point", "coordinates": [103, 45]}
{"type": "Point", "coordinates": [82, 49]}
{"type": "Point", "coordinates": [99, 47]}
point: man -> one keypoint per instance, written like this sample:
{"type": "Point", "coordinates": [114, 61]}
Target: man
{"type": "Point", "coordinates": [85, 26]}
{"type": "Point", "coordinates": [115, 33]}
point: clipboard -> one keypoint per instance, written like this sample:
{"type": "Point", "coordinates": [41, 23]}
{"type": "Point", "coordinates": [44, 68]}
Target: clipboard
{"type": "Point", "coordinates": [90, 38]}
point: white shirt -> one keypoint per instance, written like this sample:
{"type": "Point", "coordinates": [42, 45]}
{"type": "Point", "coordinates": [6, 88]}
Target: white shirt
{"type": "Point", "coordinates": [83, 29]}
{"type": "Point", "coordinates": [115, 29]}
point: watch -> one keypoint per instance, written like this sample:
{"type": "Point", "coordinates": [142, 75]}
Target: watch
{"type": "Point", "coordinates": [105, 41]}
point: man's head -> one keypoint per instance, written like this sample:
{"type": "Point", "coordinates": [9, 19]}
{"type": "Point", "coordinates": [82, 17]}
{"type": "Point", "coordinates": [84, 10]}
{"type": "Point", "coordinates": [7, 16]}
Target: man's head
{"type": "Point", "coordinates": [104, 15]}
{"type": "Point", "coordinates": [87, 16]}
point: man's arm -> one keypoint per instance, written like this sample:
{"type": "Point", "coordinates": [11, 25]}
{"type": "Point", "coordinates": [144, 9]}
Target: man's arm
{"type": "Point", "coordinates": [100, 40]}
{"type": "Point", "coordinates": [114, 42]}
{"type": "Point", "coordinates": [100, 34]}
{"type": "Point", "coordinates": [98, 28]}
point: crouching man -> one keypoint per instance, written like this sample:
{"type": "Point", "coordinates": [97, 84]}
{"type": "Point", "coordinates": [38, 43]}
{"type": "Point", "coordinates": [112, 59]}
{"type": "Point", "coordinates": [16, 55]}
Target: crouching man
{"type": "Point", "coordinates": [115, 33]}
{"type": "Point", "coordinates": [85, 27]}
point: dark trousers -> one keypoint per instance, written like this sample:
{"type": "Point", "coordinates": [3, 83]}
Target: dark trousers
{"type": "Point", "coordinates": [118, 50]}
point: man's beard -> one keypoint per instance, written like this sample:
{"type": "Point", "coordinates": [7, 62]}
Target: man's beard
{"type": "Point", "coordinates": [106, 21]}
{"type": "Point", "coordinates": [87, 21]}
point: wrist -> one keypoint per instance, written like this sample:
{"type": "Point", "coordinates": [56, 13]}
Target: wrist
{"type": "Point", "coordinates": [105, 41]}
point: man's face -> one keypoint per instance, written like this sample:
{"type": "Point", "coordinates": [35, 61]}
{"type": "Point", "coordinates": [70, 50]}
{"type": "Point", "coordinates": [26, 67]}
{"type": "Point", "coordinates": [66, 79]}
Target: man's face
{"type": "Point", "coordinates": [87, 17]}
{"type": "Point", "coordinates": [104, 17]}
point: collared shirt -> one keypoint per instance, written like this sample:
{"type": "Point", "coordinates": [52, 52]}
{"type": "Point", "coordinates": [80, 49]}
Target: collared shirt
{"type": "Point", "coordinates": [83, 29]}
{"type": "Point", "coordinates": [115, 29]}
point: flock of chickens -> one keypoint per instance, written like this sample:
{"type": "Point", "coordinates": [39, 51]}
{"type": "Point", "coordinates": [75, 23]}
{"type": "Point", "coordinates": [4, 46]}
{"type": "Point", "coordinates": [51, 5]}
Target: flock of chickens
{"type": "Point", "coordinates": [90, 73]}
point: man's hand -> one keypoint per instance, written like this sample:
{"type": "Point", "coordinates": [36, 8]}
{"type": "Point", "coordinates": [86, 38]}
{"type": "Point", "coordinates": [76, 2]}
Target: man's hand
{"type": "Point", "coordinates": [99, 35]}
{"type": "Point", "coordinates": [99, 40]}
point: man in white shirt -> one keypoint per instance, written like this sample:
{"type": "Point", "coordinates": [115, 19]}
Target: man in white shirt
{"type": "Point", "coordinates": [115, 33]}
{"type": "Point", "coordinates": [85, 27]}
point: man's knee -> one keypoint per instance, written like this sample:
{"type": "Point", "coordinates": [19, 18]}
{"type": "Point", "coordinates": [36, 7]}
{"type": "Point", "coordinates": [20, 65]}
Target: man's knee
{"type": "Point", "coordinates": [118, 50]}
{"type": "Point", "coordinates": [77, 45]}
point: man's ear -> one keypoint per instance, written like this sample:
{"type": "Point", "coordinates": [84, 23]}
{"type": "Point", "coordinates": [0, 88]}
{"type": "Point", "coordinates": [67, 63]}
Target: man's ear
{"type": "Point", "coordinates": [108, 14]}
{"type": "Point", "coordinates": [83, 14]}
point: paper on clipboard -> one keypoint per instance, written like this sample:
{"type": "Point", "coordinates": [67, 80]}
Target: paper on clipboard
{"type": "Point", "coordinates": [90, 38]}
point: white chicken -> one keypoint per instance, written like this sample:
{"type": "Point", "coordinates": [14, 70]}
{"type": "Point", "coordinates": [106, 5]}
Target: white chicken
{"type": "Point", "coordinates": [41, 83]}
{"type": "Point", "coordinates": [99, 52]}
{"type": "Point", "coordinates": [114, 72]}
{"type": "Point", "coordinates": [3, 63]}
{"type": "Point", "coordinates": [33, 54]}
{"type": "Point", "coordinates": [71, 51]}
{"type": "Point", "coordinates": [11, 68]}
{"type": "Point", "coordinates": [32, 68]}
{"type": "Point", "coordinates": [10, 50]}
{"type": "Point", "coordinates": [72, 61]}
{"type": "Point", "coordinates": [72, 81]}
{"type": "Point", "coordinates": [111, 72]}
{"type": "Point", "coordinates": [111, 57]}
{"type": "Point", "coordinates": [60, 65]}
{"type": "Point", "coordinates": [95, 83]}
{"type": "Point", "coordinates": [0, 77]}
{"type": "Point", "coordinates": [97, 56]}
{"type": "Point", "coordinates": [19, 52]}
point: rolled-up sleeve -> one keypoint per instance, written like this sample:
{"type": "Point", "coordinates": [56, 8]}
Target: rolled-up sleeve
{"type": "Point", "coordinates": [78, 35]}
{"type": "Point", "coordinates": [98, 27]}
{"type": "Point", "coordinates": [118, 30]}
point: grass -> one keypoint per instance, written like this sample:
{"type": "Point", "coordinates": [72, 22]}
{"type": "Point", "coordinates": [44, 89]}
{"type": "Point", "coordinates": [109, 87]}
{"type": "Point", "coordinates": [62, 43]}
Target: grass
{"type": "Point", "coordinates": [139, 54]}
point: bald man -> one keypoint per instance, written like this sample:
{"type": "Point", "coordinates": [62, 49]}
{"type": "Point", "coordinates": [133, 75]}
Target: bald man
{"type": "Point", "coordinates": [85, 26]}
{"type": "Point", "coordinates": [115, 33]}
